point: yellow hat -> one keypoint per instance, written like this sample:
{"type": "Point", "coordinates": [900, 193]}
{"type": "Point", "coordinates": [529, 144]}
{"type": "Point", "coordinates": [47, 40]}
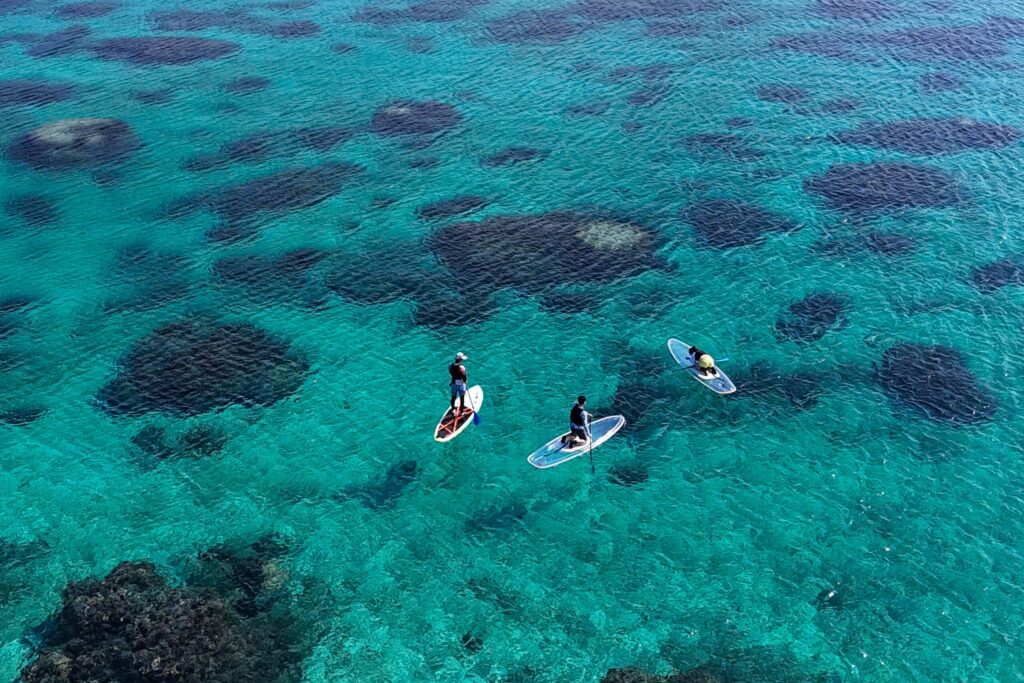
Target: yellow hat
{"type": "Point", "coordinates": [706, 362]}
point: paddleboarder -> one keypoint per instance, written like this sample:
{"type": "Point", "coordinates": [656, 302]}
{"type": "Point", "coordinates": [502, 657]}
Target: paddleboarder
{"type": "Point", "coordinates": [457, 372]}
{"type": "Point", "coordinates": [703, 361]}
{"type": "Point", "coordinates": [579, 423]}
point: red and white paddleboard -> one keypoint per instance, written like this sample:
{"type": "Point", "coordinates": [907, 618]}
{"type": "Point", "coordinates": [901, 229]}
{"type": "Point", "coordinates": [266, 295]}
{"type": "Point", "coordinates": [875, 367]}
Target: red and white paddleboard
{"type": "Point", "coordinates": [451, 425]}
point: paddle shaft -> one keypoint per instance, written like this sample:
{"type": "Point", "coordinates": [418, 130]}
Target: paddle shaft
{"type": "Point", "coordinates": [476, 415]}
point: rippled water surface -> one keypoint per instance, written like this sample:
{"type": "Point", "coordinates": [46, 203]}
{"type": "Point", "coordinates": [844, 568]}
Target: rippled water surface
{"type": "Point", "coordinates": [241, 241]}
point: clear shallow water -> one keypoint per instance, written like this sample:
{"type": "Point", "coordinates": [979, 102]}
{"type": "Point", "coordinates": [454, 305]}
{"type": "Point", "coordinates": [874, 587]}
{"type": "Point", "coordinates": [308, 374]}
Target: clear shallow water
{"type": "Point", "coordinates": [751, 507]}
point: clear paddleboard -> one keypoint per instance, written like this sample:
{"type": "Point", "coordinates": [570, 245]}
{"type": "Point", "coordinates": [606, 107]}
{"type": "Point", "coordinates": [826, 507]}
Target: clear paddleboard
{"type": "Point", "coordinates": [554, 452]}
{"type": "Point", "coordinates": [718, 383]}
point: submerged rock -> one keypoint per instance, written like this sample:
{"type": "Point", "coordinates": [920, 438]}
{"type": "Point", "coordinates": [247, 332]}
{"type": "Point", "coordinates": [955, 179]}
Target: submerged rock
{"type": "Point", "coordinates": [195, 365]}
{"type": "Point", "coordinates": [724, 224]}
{"type": "Point", "coordinates": [761, 381]}
{"type": "Point", "coordinates": [409, 117]}
{"type": "Point", "coordinates": [931, 136]}
{"type": "Point", "coordinates": [536, 252]}
{"type": "Point", "coordinates": [779, 92]}
{"type": "Point", "coordinates": [544, 26]}
{"type": "Point", "coordinates": [278, 193]}
{"type": "Point", "coordinates": [203, 440]}
{"type": "Point", "coordinates": [164, 50]}
{"type": "Point", "coordinates": [21, 416]}
{"type": "Point", "coordinates": [891, 244]}
{"type": "Point", "coordinates": [33, 93]}
{"type": "Point", "coordinates": [513, 155]}
{"type": "Point", "coordinates": [935, 382]}
{"type": "Point", "coordinates": [446, 208]}
{"type": "Point", "coordinates": [133, 625]}
{"type": "Point", "coordinates": [992, 277]}
{"type": "Point", "coordinates": [884, 185]}
{"type": "Point", "coordinates": [33, 209]}
{"type": "Point", "coordinates": [75, 143]}
{"type": "Point", "coordinates": [628, 474]}
{"type": "Point", "coordinates": [810, 318]}
{"type": "Point", "coordinates": [384, 494]}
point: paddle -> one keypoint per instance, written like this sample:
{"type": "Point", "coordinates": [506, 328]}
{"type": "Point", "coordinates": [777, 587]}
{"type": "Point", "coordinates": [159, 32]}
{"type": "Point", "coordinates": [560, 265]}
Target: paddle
{"type": "Point", "coordinates": [476, 415]}
{"type": "Point", "coordinates": [590, 446]}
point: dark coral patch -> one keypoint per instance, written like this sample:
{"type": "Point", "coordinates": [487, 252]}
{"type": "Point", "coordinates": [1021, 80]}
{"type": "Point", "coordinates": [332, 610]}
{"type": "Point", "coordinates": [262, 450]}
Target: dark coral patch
{"type": "Point", "coordinates": [840, 105]}
{"type": "Point", "coordinates": [295, 29]}
{"type": "Point", "coordinates": [59, 43]}
{"type": "Point", "coordinates": [194, 366]}
{"type": "Point", "coordinates": [728, 145]}
{"type": "Point", "coordinates": [513, 155]}
{"type": "Point", "coordinates": [723, 224]}
{"type": "Point", "coordinates": [934, 381]}
{"type": "Point", "coordinates": [884, 185]}
{"type": "Point", "coordinates": [780, 92]}
{"type": "Point", "coordinates": [545, 27]}
{"type": "Point", "coordinates": [7, 6]}
{"type": "Point", "coordinates": [537, 252]}
{"type": "Point", "coordinates": [594, 108]}
{"type": "Point", "coordinates": [931, 136]}
{"type": "Point", "coordinates": [739, 122]}
{"type": "Point", "coordinates": [74, 143]}
{"type": "Point", "coordinates": [992, 277]}
{"type": "Point", "coordinates": [455, 206]}
{"type": "Point", "coordinates": [155, 97]}
{"type": "Point", "coordinates": [761, 381]}
{"type": "Point", "coordinates": [649, 95]}
{"type": "Point", "coordinates": [497, 518]}
{"type": "Point", "coordinates": [33, 209]}
{"type": "Point", "coordinates": [16, 303]}
{"type": "Point", "coordinates": [133, 625]}
{"type": "Point", "coordinates": [383, 494]}
{"type": "Point", "coordinates": [430, 11]}
{"type": "Point", "coordinates": [28, 93]}
{"type": "Point", "coordinates": [147, 279]}
{"type": "Point", "coordinates": [378, 278]}
{"type": "Point", "coordinates": [628, 474]}
{"type": "Point", "coordinates": [290, 277]}
{"type": "Point", "coordinates": [343, 48]}
{"type": "Point", "coordinates": [863, 10]}
{"type": "Point", "coordinates": [262, 146]}
{"type": "Point", "coordinates": [672, 29]}
{"type": "Point", "coordinates": [939, 82]}
{"type": "Point", "coordinates": [203, 440]}
{"type": "Point", "coordinates": [152, 441]}
{"type": "Point", "coordinates": [409, 117]}
{"type": "Point", "coordinates": [164, 50]}
{"type": "Point", "coordinates": [85, 10]}
{"type": "Point", "coordinates": [891, 244]}
{"type": "Point", "coordinates": [624, 10]}
{"type": "Point", "coordinates": [810, 318]}
{"type": "Point", "coordinates": [972, 43]}
{"type": "Point", "coordinates": [424, 163]}
{"type": "Point", "coordinates": [21, 416]}
{"type": "Point", "coordinates": [246, 85]}
{"type": "Point", "coordinates": [277, 193]}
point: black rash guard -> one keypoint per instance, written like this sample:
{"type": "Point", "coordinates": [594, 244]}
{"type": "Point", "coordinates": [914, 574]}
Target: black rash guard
{"type": "Point", "coordinates": [578, 416]}
{"type": "Point", "coordinates": [458, 372]}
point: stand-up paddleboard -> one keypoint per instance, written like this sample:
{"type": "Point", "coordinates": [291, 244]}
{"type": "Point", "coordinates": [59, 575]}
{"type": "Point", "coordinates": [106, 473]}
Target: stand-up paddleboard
{"type": "Point", "coordinates": [451, 426]}
{"type": "Point", "coordinates": [554, 452]}
{"type": "Point", "coordinates": [720, 383]}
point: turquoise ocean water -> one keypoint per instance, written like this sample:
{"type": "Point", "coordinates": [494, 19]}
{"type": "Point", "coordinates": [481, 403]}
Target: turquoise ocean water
{"type": "Point", "coordinates": [712, 529]}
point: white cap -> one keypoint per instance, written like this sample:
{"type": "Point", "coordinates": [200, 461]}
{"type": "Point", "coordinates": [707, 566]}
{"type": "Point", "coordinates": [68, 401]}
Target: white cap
{"type": "Point", "coordinates": [461, 356]}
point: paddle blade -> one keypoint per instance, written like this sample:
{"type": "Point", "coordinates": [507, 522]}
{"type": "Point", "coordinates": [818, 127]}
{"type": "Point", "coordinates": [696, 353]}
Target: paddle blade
{"type": "Point", "coordinates": [476, 418]}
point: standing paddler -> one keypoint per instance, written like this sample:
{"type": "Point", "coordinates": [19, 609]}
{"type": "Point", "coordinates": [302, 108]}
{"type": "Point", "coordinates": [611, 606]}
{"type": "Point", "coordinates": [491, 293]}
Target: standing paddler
{"type": "Point", "coordinates": [457, 372]}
